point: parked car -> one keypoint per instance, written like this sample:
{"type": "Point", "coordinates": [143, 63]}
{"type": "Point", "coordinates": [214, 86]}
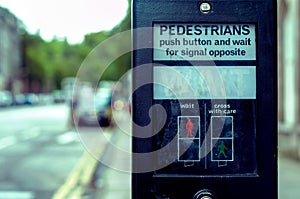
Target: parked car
{"type": "Point", "coordinates": [45, 98]}
{"type": "Point", "coordinates": [58, 97]}
{"type": "Point", "coordinates": [93, 108]}
{"type": "Point", "coordinates": [26, 99]}
{"type": "Point", "coordinates": [84, 110]}
{"type": "Point", "coordinates": [19, 99]}
{"type": "Point", "coordinates": [6, 98]}
{"type": "Point", "coordinates": [31, 99]}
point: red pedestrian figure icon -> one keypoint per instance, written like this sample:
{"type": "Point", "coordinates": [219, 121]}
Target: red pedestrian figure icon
{"type": "Point", "coordinates": [189, 127]}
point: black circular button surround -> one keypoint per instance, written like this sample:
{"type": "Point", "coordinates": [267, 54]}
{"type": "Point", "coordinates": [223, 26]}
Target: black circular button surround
{"type": "Point", "coordinates": [205, 194]}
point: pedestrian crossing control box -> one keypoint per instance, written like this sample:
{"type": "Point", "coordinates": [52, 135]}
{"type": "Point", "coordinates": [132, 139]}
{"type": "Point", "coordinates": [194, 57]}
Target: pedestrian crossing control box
{"type": "Point", "coordinates": [204, 99]}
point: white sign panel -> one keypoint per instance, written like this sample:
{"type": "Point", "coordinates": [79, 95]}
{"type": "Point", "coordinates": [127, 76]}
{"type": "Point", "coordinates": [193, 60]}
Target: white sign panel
{"type": "Point", "coordinates": [205, 82]}
{"type": "Point", "coordinates": [172, 41]}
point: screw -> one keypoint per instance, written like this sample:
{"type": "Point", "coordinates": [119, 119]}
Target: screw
{"type": "Point", "coordinates": [205, 8]}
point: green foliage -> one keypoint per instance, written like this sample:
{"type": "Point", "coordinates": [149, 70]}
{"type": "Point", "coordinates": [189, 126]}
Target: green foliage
{"type": "Point", "coordinates": [50, 62]}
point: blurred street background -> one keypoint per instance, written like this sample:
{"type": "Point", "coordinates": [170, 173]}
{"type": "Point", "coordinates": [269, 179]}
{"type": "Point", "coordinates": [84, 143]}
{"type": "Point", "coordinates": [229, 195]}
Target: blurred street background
{"type": "Point", "coordinates": [51, 133]}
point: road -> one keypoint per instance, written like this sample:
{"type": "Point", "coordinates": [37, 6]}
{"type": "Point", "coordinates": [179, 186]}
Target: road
{"type": "Point", "coordinates": [37, 151]}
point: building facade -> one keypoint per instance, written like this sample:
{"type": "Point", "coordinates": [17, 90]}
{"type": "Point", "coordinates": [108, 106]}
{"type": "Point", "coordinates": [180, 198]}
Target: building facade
{"type": "Point", "coordinates": [289, 76]}
{"type": "Point", "coordinates": [10, 51]}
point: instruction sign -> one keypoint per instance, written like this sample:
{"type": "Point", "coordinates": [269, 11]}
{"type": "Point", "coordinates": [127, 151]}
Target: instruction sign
{"type": "Point", "coordinates": [211, 108]}
{"type": "Point", "coordinates": [174, 41]}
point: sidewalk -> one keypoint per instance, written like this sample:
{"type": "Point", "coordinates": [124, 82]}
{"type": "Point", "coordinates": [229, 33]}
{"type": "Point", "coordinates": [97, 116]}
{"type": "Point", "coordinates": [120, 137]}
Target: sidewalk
{"type": "Point", "coordinates": [114, 184]}
{"type": "Point", "coordinates": [289, 178]}
{"type": "Point", "coordinates": [114, 181]}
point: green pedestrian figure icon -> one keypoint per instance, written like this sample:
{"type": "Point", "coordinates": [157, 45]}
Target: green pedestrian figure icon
{"type": "Point", "coordinates": [221, 149]}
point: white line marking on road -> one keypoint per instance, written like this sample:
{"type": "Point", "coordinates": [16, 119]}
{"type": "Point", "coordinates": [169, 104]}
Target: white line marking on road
{"type": "Point", "coordinates": [30, 133]}
{"type": "Point", "coordinates": [21, 136]}
{"type": "Point", "coordinates": [67, 137]}
{"type": "Point", "coordinates": [16, 195]}
{"type": "Point", "coordinates": [7, 141]}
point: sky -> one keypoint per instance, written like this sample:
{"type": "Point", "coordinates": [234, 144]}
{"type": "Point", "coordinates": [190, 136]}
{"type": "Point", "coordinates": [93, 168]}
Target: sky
{"type": "Point", "coordinates": [67, 18]}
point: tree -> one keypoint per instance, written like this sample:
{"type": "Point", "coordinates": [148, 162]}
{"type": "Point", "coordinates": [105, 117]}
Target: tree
{"type": "Point", "coordinates": [47, 63]}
